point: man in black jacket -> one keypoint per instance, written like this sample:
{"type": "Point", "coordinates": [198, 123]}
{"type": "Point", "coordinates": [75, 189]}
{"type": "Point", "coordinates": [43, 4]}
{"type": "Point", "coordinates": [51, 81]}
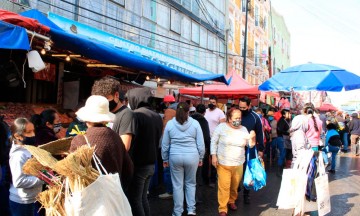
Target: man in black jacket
{"type": "Point", "coordinates": [283, 132]}
{"type": "Point", "coordinates": [199, 116]}
{"type": "Point", "coordinates": [143, 148]}
{"type": "Point", "coordinates": [251, 121]}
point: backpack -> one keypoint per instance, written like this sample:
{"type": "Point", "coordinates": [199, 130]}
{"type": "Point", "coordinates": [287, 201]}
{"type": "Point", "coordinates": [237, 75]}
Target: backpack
{"type": "Point", "coordinates": [335, 141]}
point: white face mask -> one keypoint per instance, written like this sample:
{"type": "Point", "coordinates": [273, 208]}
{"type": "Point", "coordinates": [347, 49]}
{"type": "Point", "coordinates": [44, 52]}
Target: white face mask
{"type": "Point", "coordinates": [57, 127]}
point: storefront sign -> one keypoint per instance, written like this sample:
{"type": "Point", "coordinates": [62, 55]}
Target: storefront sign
{"type": "Point", "coordinates": [91, 33]}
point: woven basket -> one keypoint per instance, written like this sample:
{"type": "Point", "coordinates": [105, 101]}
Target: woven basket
{"type": "Point", "coordinates": [58, 147]}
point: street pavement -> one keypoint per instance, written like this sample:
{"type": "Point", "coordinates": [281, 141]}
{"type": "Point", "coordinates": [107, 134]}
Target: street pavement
{"type": "Point", "coordinates": [344, 191]}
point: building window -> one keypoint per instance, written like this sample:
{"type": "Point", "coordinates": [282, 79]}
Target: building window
{"type": "Point", "coordinates": [164, 19]}
{"type": "Point", "coordinates": [149, 9]}
{"type": "Point", "coordinates": [187, 4]}
{"type": "Point", "coordinates": [114, 12]}
{"type": "Point", "coordinates": [90, 18]}
{"type": "Point", "coordinates": [186, 28]}
{"type": "Point", "coordinates": [133, 6]}
{"type": "Point", "coordinates": [256, 54]}
{"type": "Point", "coordinates": [175, 24]}
{"type": "Point", "coordinates": [257, 16]}
{"type": "Point", "coordinates": [195, 8]}
{"type": "Point", "coordinates": [195, 32]}
{"type": "Point", "coordinates": [243, 5]}
{"type": "Point", "coordinates": [203, 37]}
{"type": "Point", "coordinates": [210, 41]}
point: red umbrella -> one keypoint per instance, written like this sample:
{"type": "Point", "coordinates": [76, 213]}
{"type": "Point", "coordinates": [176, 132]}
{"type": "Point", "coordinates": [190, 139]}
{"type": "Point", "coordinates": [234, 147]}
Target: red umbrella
{"type": "Point", "coordinates": [325, 107]}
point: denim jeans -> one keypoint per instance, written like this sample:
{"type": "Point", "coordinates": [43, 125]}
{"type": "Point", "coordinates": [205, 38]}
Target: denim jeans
{"type": "Point", "coordinates": [167, 180]}
{"type": "Point", "coordinates": [18, 209]}
{"type": "Point", "coordinates": [278, 143]}
{"type": "Point", "coordinates": [334, 150]}
{"type": "Point", "coordinates": [139, 188]}
{"type": "Point", "coordinates": [345, 141]}
{"type": "Point", "coordinates": [183, 175]}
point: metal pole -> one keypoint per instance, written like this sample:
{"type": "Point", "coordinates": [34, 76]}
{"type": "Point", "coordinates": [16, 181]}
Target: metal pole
{"type": "Point", "coordinates": [226, 36]}
{"type": "Point", "coordinates": [202, 94]}
{"type": "Point", "coordinates": [245, 38]}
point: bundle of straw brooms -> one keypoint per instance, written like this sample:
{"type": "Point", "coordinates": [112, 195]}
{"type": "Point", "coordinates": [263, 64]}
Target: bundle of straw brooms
{"type": "Point", "coordinates": [76, 168]}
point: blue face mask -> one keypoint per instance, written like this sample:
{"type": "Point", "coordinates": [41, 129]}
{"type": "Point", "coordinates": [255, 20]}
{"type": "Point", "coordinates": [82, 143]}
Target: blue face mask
{"type": "Point", "coordinates": [260, 115]}
{"type": "Point", "coordinates": [271, 118]}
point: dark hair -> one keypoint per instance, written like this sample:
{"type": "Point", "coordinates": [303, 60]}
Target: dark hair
{"type": "Point", "coordinates": [284, 111]}
{"type": "Point", "coordinates": [245, 99]}
{"type": "Point", "coordinates": [105, 86]}
{"type": "Point", "coordinates": [200, 108]}
{"type": "Point", "coordinates": [182, 112]}
{"type": "Point", "coordinates": [259, 110]}
{"type": "Point", "coordinates": [47, 115]}
{"type": "Point", "coordinates": [331, 126]}
{"type": "Point", "coordinates": [229, 113]}
{"type": "Point", "coordinates": [310, 110]}
{"type": "Point", "coordinates": [213, 97]}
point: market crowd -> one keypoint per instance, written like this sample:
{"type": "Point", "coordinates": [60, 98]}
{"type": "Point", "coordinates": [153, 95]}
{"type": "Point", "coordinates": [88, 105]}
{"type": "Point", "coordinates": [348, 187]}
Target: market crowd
{"type": "Point", "coordinates": [183, 140]}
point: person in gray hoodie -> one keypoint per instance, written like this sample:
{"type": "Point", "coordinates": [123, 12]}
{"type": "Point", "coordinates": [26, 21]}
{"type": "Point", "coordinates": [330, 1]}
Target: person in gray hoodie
{"type": "Point", "coordinates": [24, 188]}
{"type": "Point", "coordinates": [183, 150]}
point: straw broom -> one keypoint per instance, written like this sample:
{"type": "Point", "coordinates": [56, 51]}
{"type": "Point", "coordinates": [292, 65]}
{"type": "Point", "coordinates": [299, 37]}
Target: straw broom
{"type": "Point", "coordinates": [53, 201]}
{"type": "Point", "coordinates": [33, 167]}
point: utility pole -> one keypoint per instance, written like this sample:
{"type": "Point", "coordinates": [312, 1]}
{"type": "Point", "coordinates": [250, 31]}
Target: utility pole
{"type": "Point", "coordinates": [245, 38]}
{"type": "Point", "coordinates": [226, 36]}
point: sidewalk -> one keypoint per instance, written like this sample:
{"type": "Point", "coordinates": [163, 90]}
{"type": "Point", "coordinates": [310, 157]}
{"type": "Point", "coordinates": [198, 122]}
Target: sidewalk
{"type": "Point", "coordinates": [344, 192]}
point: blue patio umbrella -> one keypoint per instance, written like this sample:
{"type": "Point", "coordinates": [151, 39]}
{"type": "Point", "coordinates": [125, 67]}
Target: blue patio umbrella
{"type": "Point", "coordinates": [309, 77]}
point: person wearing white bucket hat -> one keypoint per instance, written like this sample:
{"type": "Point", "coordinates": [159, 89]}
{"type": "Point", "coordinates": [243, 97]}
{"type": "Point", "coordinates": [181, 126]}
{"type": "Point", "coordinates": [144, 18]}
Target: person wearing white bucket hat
{"type": "Point", "coordinates": [109, 146]}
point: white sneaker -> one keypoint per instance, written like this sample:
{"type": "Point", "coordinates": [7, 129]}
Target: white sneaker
{"type": "Point", "coordinates": [166, 196]}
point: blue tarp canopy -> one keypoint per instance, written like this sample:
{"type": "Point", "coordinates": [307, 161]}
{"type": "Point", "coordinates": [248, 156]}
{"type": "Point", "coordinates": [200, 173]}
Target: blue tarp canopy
{"type": "Point", "coordinates": [13, 37]}
{"type": "Point", "coordinates": [307, 77]}
{"type": "Point", "coordinates": [40, 17]}
{"type": "Point", "coordinates": [111, 55]}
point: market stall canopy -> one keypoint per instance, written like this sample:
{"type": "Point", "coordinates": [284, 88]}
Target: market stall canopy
{"type": "Point", "coordinates": [35, 14]}
{"type": "Point", "coordinates": [237, 88]}
{"type": "Point", "coordinates": [311, 76]}
{"type": "Point", "coordinates": [13, 37]}
{"type": "Point", "coordinates": [109, 54]}
{"type": "Point", "coordinates": [325, 107]}
{"type": "Point", "coordinates": [29, 23]}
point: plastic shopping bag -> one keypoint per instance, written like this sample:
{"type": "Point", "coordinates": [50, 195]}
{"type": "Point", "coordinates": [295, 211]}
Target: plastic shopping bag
{"type": "Point", "coordinates": [293, 184]}
{"type": "Point", "coordinates": [255, 175]}
{"type": "Point", "coordinates": [322, 189]}
{"type": "Point", "coordinates": [104, 196]}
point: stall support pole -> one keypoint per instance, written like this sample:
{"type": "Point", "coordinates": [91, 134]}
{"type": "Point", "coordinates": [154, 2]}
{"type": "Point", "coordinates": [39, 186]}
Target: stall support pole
{"type": "Point", "coordinates": [202, 94]}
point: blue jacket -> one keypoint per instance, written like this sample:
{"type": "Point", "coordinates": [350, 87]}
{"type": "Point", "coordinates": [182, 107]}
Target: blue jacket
{"type": "Point", "coordinates": [329, 134]}
{"type": "Point", "coordinates": [252, 121]}
{"type": "Point", "coordinates": [182, 139]}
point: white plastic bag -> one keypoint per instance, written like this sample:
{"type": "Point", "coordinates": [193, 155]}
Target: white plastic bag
{"type": "Point", "coordinates": [104, 196]}
{"type": "Point", "coordinates": [293, 183]}
{"type": "Point", "coordinates": [322, 189]}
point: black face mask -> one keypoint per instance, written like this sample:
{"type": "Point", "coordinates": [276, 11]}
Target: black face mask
{"type": "Point", "coordinates": [211, 106]}
{"type": "Point", "coordinates": [244, 112]}
{"type": "Point", "coordinates": [112, 105]}
{"type": "Point", "coordinates": [29, 140]}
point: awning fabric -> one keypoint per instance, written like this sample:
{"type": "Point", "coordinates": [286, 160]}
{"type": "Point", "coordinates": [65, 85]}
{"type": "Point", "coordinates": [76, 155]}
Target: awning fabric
{"type": "Point", "coordinates": [111, 55]}
{"type": "Point", "coordinates": [40, 17]}
{"type": "Point", "coordinates": [13, 37]}
{"type": "Point", "coordinates": [237, 88]}
{"type": "Point", "coordinates": [28, 23]}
